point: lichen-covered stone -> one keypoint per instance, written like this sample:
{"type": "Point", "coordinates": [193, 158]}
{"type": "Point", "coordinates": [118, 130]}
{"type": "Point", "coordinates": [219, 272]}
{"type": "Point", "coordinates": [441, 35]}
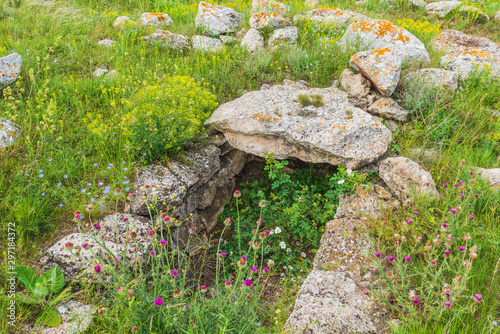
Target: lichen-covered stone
{"type": "Point", "coordinates": [405, 178]}
{"type": "Point", "coordinates": [216, 20]}
{"type": "Point", "coordinates": [75, 318]}
{"type": "Point", "coordinates": [433, 78]}
{"type": "Point", "coordinates": [207, 44]}
{"type": "Point", "coordinates": [270, 6]}
{"type": "Point", "coordinates": [155, 19]}
{"type": "Point", "coordinates": [329, 16]}
{"type": "Point", "coordinates": [106, 42]}
{"type": "Point", "coordinates": [454, 41]}
{"type": "Point", "coordinates": [274, 121]}
{"type": "Point", "coordinates": [100, 72]}
{"type": "Point", "coordinates": [8, 133]}
{"type": "Point", "coordinates": [356, 85]}
{"type": "Point", "coordinates": [124, 21]}
{"type": "Point", "coordinates": [10, 67]}
{"type": "Point", "coordinates": [491, 175]}
{"type": "Point", "coordinates": [330, 302]}
{"type": "Point", "coordinates": [473, 60]}
{"type": "Point", "coordinates": [168, 39]}
{"type": "Point", "coordinates": [442, 8]}
{"type": "Point", "coordinates": [253, 41]}
{"type": "Point", "coordinates": [372, 34]}
{"type": "Point", "coordinates": [388, 108]}
{"type": "Point", "coordinates": [267, 19]}
{"type": "Point", "coordinates": [284, 36]}
{"type": "Point", "coordinates": [381, 66]}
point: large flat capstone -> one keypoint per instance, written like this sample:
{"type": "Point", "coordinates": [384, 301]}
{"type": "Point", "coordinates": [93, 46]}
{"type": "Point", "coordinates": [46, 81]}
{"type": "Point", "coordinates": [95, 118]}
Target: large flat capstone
{"type": "Point", "coordinates": [275, 121]}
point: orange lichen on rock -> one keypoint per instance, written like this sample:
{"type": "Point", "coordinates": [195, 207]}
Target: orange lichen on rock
{"type": "Point", "coordinates": [382, 28]}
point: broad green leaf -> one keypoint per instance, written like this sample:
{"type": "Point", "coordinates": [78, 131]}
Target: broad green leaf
{"type": "Point", "coordinates": [40, 291]}
{"type": "Point", "coordinates": [25, 299]}
{"type": "Point", "coordinates": [51, 318]}
{"type": "Point", "coordinates": [54, 280]}
{"type": "Point", "coordinates": [27, 276]}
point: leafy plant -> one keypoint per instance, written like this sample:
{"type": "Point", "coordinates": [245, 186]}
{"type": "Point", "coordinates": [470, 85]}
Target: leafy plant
{"type": "Point", "coordinates": [305, 100]}
{"type": "Point", "coordinates": [317, 100]}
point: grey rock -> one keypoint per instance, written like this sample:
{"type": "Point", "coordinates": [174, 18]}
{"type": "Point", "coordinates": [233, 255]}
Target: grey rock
{"type": "Point", "coordinates": [9, 132]}
{"type": "Point", "coordinates": [465, 63]}
{"type": "Point", "coordinates": [381, 66]}
{"type": "Point", "coordinates": [329, 16]}
{"type": "Point", "coordinates": [330, 302]}
{"type": "Point", "coordinates": [155, 19]}
{"type": "Point", "coordinates": [372, 34]}
{"type": "Point", "coordinates": [253, 41]}
{"type": "Point", "coordinates": [269, 20]}
{"type": "Point", "coordinates": [124, 21]}
{"type": "Point", "coordinates": [207, 44]}
{"type": "Point", "coordinates": [75, 320]}
{"type": "Point", "coordinates": [106, 42]}
{"type": "Point", "coordinates": [270, 6]}
{"type": "Point", "coordinates": [433, 78]}
{"type": "Point", "coordinates": [10, 67]}
{"type": "Point", "coordinates": [405, 179]}
{"type": "Point", "coordinates": [442, 8]}
{"type": "Point", "coordinates": [100, 72]}
{"type": "Point", "coordinates": [491, 175]}
{"type": "Point", "coordinates": [496, 17]}
{"type": "Point", "coordinates": [168, 39]}
{"type": "Point", "coordinates": [356, 85]}
{"type": "Point", "coordinates": [284, 36]}
{"type": "Point", "coordinates": [455, 41]}
{"type": "Point", "coordinates": [388, 108]}
{"type": "Point", "coordinates": [216, 20]}
{"type": "Point", "coordinates": [273, 121]}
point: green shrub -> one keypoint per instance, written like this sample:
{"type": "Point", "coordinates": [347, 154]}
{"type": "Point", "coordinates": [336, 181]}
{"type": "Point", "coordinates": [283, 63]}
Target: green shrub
{"type": "Point", "coordinates": [167, 115]}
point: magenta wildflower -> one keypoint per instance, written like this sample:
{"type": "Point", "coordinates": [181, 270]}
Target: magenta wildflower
{"type": "Point", "coordinates": [248, 297]}
{"type": "Point", "coordinates": [117, 259]}
{"type": "Point", "coordinates": [462, 248]}
{"type": "Point", "coordinates": [97, 269]}
{"type": "Point", "coordinates": [151, 233]}
{"type": "Point", "coordinates": [97, 227]}
{"type": "Point", "coordinates": [407, 258]}
{"type": "Point", "coordinates": [244, 257]}
{"type": "Point", "coordinates": [415, 212]}
{"type": "Point", "coordinates": [248, 282]}
{"type": "Point", "coordinates": [461, 194]}
{"type": "Point", "coordinates": [203, 288]}
{"type": "Point", "coordinates": [453, 211]}
{"type": "Point", "coordinates": [462, 182]}
{"type": "Point", "coordinates": [152, 252]}
{"type": "Point", "coordinates": [175, 273]}
{"type": "Point", "coordinates": [447, 304]}
{"type": "Point", "coordinates": [266, 270]}
{"type": "Point", "coordinates": [415, 301]}
{"type": "Point", "coordinates": [447, 253]}
{"type": "Point", "coordinates": [377, 254]}
{"type": "Point", "coordinates": [237, 194]}
{"type": "Point", "coordinates": [444, 225]}
{"type": "Point", "coordinates": [268, 232]}
{"type": "Point", "coordinates": [166, 219]}
{"type": "Point", "coordinates": [445, 185]}
{"type": "Point", "coordinates": [162, 242]}
{"type": "Point", "coordinates": [158, 301]}
{"type": "Point", "coordinates": [214, 292]}
{"type": "Point", "coordinates": [125, 219]}
{"type": "Point", "coordinates": [254, 269]}
{"type": "Point", "coordinates": [85, 245]}
{"type": "Point", "coordinates": [223, 254]}
{"type": "Point", "coordinates": [471, 217]}
{"type": "Point", "coordinates": [478, 298]}
{"type": "Point", "coordinates": [391, 258]}
{"type": "Point", "coordinates": [228, 283]}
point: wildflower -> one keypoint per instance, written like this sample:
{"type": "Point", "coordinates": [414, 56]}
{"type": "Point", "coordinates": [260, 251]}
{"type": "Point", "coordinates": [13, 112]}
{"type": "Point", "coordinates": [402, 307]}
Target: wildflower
{"type": "Point", "coordinates": [248, 282]}
{"type": "Point", "coordinates": [118, 192]}
{"type": "Point", "coordinates": [158, 301]}
{"type": "Point", "coordinates": [162, 242]}
{"type": "Point", "coordinates": [447, 304]}
{"type": "Point", "coordinates": [117, 259]}
{"type": "Point", "coordinates": [282, 245]}
{"type": "Point", "coordinates": [415, 301]}
{"type": "Point", "coordinates": [407, 258]}
{"type": "Point", "coordinates": [462, 248]}
{"type": "Point", "coordinates": [445, 185]}
{"type": "Point", "coordinates": [241, 263]}
{"type": "Point", "coordinates": [447, 253]}
{"type": "Point", "coordinates": [419, 239]}
{"type": "Point", "coordinates": [446, 289]}
{"type": "Point", "coordinates": [391, 258]}
{"type": "Point", "coordinates": [377, 254]}
{"type": "Point", "coordinates": [175, 273]}
{"type": "Point", "coordinates": [97, 269]}
{"type": "Point", "coordinates": [223, 254]}
{"type": "Point", "coordinates": [152, 252]}
{"type": "Point", "coordinates": [255, 245]}
{"type": "Point", "coordinates": [262, 204]}
{"type": "Point", "coordinates": [415, 212]}
{"type": "Point", "coordinates": [244, 257]}
{"type": "Point", "coordinates": [453, 211]}
{"type": "Point", "coordinates": [270, 263]}
{"type": "Point", "coordinates": [237, 194]}
{"type": "Point", "coordinates": [228, 284]}
{"type": "Point", "coordinates": [268, 232]}
{"type": "Point", "coordinates": [228, 222]}
{"type": "Point", "coordinates": [85, 245]}
{"type": "Point", "coordinates": [266, 270]}
{"type": "Point", "coordinates": [471, 217]}
{"type": "Point", "coordinates": [467, 263]}
{"type": "Point", "coordinates": [277, 230]}
{"type": "Point", "coordinates": [478, 298]}
{"type": "Point", "coordinates": [89, 208]}
{"type": "Point", "coordinates": [403, 238]}
{"type": "Point", "coordinates": [433, 262]}
{"type": "Point", "coordinates": [214, 292]}
{"type": "Point", "coordinates": [151, 233]}
{"type": "Point", "coordinates": [473, 249]}
{"type": "Point", "coordinates": [177, 293]}
{"type": "Point", "coordinates": [97, 227]}
{"type": "Point", "coordinates": [68, 246]}
{"type": "Point", "coordinates": [130, 293]}
{"type": "Point", "coordinates": [133, 234]}
{"type": "Point", "coordinates": [203, 288]}
{"type": "Point", "coordinates": [341, 181]}
{"type": "Point", "coordinates": [457, 279]}
{"type": "Point", "coordinates": [467, 237]}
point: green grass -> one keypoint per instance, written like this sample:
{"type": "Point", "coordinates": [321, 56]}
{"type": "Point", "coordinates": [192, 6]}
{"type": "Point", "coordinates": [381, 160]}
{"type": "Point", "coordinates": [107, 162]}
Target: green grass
{"type": "Point", "coordinates": [56, 98]}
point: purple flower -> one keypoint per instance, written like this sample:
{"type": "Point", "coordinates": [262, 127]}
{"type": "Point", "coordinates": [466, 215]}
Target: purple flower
{"type": "Point", "coordinates": [117, 259]}
{"type": "Point", "coordinates": [407, 258]}
{"type": "Point", "coordinates": [244, 257]}
{"type": "Point", "coordinates": [409, 221]}
{"type": "Point", "coordinates": [471, 217]}
{"type": "Point", "coordinates": [97, 227]}
{"type": "Point", "coordinates": [445, 185]}
{"type": "Point", "coordinates": [462, 248]}
{"type": "Point", "coordinates": [461, 194]}
{"type": "Point", "coordinates": [415, 301]}
{"type": "Point", "coordinates": [447, 253]}
{"type": "Point", "coordinates": [248, 282]}
{"type": "Point", "coordinates": [478, 298]}
{"type": "Point", "coordinates": [228, 283]}
{"type": "Point", "coordinates": [97, 269]}
{"type": "Point", "coordinates": [462, 182]}
{"type": "Point", "coordinates": [266, 270]}
{"type": "Point", "coordinates": [391, 258]}
{"type": "Point", "coordinates": [444, 225]}
{"type": "Point", "coordinates": [447, 304]}
{"type": "Point", "coordinates": [415, 212]}
{"type": "Point", "coordinates": [158, 301]}
{"type": "Point", "coordinates": [85, 245]}
{"type": "Point", "coordinates": [175, 273]}
{"type": "Point", "coordinates": [377, 254]}
{"type": "Point", "coordinates": [152, 252]}
{"type": "Point", "coordinates": [223, 254]}
{"type": "Point", "coordinates": [252, 268]}
{"type": "Point", "coordinates": [163, 242]}
{"type": "Point", "coordinates": [453, 211]}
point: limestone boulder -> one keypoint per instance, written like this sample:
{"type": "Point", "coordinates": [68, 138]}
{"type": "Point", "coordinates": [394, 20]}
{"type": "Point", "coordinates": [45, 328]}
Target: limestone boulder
{"type": "Point", "coordinates": [168, 39]}
{"type": "Point", "coordinates": [455, 41]}
{"type": "Point", "coordinates": [382, 34]}
{"type": "Point", "coordinates": [442, 8]}
{"type": "Point", "coordinates": [473, 60]}
{"type": "Point", "coordinates": [388, 108]}
{"type": "Point", "coordinates": [253, 41]}
{"type": "Point", "coordinates": [155, 19]}
{"type": "Point", "coordinates": [267, 19]}
{"type": "Point", "coordinates": [330, 302]}
{"type": "Point", "coordinates": [207, 44]}
{"type": "Point", "coordinates": [10, 67]}
{"type": "Point", "coordinates": [381, 66]}
{"type": "Point", "coordinates": [329, 16]}
{"type": "Point", "coordinates": [270, 6]}
{"type": "Point", "coordinates": [76, 317]}
{"type": "Point", "coordinates": [284, 36]}
{"type": "Point", "coordinates": [491, 175]}
{"type": "Point", "coordinates": [123, 22]}
{"type": "Point", "coordinates": [356, 85]}
{"type": "Point", "coordinates": [433, 78]}
{"type": "Point", "coordinates": [405, 179]}
{"type": "Point", "coordinates": [496, 17]}
{"type": "Point", "coordinates": [106, 42]}
{"type": "Point", "coordinates": [216, 20]}
{"type": "Point", "coordinates": [274, 121]}
{"type": "Point", "coordinates": [9, 132]}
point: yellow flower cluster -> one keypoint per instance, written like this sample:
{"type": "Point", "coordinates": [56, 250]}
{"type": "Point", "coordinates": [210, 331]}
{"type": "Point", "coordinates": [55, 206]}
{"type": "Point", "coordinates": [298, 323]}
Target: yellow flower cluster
{"type": "Point", "coordinates": [419, 28]}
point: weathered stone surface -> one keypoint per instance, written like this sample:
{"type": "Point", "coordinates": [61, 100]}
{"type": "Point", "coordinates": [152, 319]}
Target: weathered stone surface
{"type": "Point", "coordinates": [491, 175]}
{"type": "Point", "coordinates": [99, 72]}
{"type": "Point", "coordinates": [330, 16]}
{"type": "Point", "coordinates": [388, 108]}
{"type": "Point", "coordinates": [270, 6]}
{"type": "Point", "coordinates": [284, 36]}
{"type": "Point", "coordinates": [123, 21]}
{"type": "Point", "coordinates": [168, 39]}
{"type": "Point", "coordinates": [442, 8]}
{"type": "Point", "coordinates": [207, 44]}
{"type": "Point", "coordinates": [372, 34]}
{"type": "Point", "coordinates": [464, 63]}
{"type": "Point", "coordinates": [433, 78]}
{"type": "Point", "coordinates": [106, 42]}
{"type": "Point", "coordinates": [273, 121]}
{"type": "Point", "coordinates": [454, 41]}
{"type": "Point", "coordinates": [356, 85]}
{"type": "Point", "coordinates": [8, 133]}
{"type": "Point", "coordinates": [75, 318]}
{"type": "Point", "coordinates": [405, 178]}
{"type": "Point", "coordinates": [497, 16]}
{"type": "Point", "coordinates": [330, 302]}
{"type": "Point", "coordinates": [227, 39]}
{"type": "Point", "coordinates": [155, 19]}
{"type": "Point", "coordinates": [311, 3]}
{"type": "Point", "coordinates": [474, 12]}
{"type": "Point", "coordinates": [10, 67]}
{"type": "Point", "coordinates": [268, 20]}
{"type": "Point", "coordinates": [216, 20]}
{"type": "Point", "coordinates": [381, 66]}
{"type": "Point", "coordinates": [253, 41]}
